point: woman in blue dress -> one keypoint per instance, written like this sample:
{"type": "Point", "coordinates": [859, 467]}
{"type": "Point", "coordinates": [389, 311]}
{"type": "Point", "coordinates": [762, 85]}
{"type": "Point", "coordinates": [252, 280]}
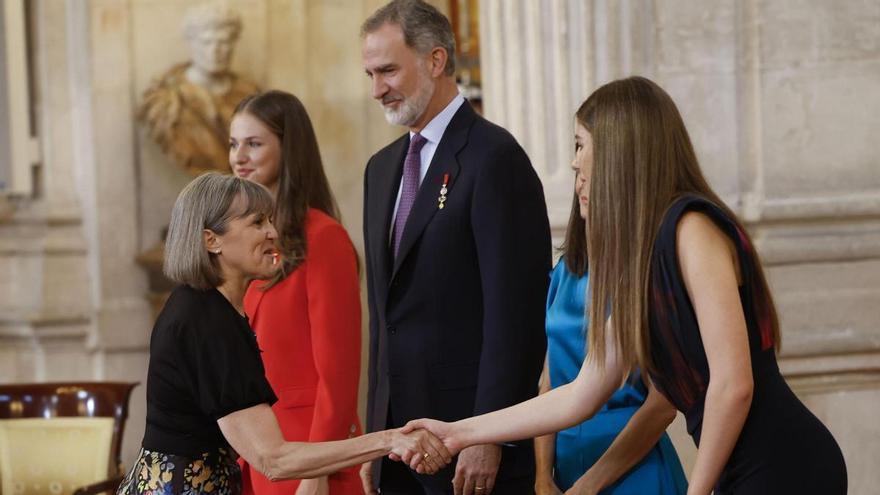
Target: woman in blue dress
{"type": "Point", "coordinates": [598, 455]}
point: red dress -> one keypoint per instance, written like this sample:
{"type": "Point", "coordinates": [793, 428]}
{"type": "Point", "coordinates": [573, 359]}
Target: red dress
{"type": "Point", "coordinates": [309, 330]}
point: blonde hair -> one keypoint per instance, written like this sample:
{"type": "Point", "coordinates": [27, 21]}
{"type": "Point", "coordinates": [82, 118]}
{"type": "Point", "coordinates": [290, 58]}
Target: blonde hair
{"type": "Point", "coordinates": [643, 161]}
{"type": "Point", "coordinates": [208, 202]}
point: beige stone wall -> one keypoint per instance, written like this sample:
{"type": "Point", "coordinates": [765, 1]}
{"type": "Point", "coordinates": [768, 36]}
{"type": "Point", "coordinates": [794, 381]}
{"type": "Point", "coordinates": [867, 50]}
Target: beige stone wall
{"type": "Point", "coordinates": [781, 101]}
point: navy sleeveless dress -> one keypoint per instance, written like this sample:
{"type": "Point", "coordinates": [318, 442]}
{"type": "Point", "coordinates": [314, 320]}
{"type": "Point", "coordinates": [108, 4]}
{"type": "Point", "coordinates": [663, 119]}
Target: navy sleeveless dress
{"type": "Point", "coordinates": [783, 447]}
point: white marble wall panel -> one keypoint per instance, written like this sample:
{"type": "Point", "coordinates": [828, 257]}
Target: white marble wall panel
{"type": "Point", "coordinates": [20, 284]}
{"type": "Point", "coordinates": [828, 308]}
{"type": "Point", "coordinates": [694, 39]}
{"type": "Point", "coordinates": [52, 92]}
{"type": "Point", "coordinates": [803, 33]}
{"type": "Point", "coordinates": [65, 360]}
{"type": "Point", "coordinates": [820, 130]}
{"type": "Point", "coordinates": [695, 61]}
{"type": "Point", "coordinates": [20, 358]}
{"type": "Point", "coordinates": [709, 110]}
{"type": "Point", "coordinates": [64, 276]}
{"type": "Point", "coordinates": [121, 283]}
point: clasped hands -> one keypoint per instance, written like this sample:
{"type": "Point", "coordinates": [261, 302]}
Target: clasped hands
{"type": "Point", "coordinates": [420, 449]}
{"type": "Point", "coordinates": [427, 445]}
{"type": "Point", "coordinates": [477, 465]}
{"type": "Point", "coordinates": [424, 445]}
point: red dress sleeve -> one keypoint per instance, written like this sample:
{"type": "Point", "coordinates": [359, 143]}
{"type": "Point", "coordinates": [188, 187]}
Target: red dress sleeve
{"type": "Point", "coordinates": [334, 307]}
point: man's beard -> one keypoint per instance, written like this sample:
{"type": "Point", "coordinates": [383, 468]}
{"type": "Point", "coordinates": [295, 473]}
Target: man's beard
{"type": "Point", "coordinates": [410, 109]}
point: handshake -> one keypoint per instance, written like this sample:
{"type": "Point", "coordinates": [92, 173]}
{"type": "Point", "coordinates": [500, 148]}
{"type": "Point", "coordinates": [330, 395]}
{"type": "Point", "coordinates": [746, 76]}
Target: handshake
{"type": "Point", "coordinates": [425, 445]}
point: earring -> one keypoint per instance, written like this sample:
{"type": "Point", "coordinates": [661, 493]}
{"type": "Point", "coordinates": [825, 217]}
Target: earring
{"type": "Point", "coordinates": [216, 252]}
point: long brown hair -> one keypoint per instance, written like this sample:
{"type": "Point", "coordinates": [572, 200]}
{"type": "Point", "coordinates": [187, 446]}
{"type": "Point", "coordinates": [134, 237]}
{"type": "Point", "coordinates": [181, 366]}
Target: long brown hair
{"type": "Point", "coordinates": [574, 247]}
{"type": "Point", "coordinates": [643, 161]}
{"type": "Point", "coordinates": [302, 183]}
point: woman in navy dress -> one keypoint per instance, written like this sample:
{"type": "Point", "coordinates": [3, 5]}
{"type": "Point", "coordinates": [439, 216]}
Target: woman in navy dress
{"type": "Point", "coordinates": [624, 448]}
{"type": "Point", "coordinates": [676, 289]}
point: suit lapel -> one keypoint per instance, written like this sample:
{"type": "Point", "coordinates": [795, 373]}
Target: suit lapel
{"type": "Point", "coordinates": [444, 162]}
{"type": "Point", "coordinates": [386, 184]}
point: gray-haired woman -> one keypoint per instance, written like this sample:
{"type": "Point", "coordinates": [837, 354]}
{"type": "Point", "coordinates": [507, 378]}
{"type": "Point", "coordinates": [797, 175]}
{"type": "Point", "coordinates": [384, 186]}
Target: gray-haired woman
{"type": "Point", "coordinates": [207, 396]}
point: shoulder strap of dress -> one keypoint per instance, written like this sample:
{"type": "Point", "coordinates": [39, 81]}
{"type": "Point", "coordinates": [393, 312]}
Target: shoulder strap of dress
{"type": "Point", "coordinates": [755, 291]}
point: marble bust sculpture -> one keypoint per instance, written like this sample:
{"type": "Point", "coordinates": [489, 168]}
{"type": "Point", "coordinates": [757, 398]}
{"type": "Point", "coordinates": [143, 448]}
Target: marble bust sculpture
{"type": "Point", "coordinates": [188, 108]}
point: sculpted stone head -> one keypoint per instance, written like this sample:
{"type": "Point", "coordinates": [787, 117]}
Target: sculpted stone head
{"type": "Point", "coordinates": [211, 29]}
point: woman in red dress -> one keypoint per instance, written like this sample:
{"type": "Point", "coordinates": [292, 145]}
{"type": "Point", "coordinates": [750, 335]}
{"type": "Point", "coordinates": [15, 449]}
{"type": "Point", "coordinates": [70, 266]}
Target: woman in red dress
{"type": "Point", "coordinates": [308, 317]}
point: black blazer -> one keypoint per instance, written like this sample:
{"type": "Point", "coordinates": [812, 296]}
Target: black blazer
{"type": "Point", "coordinates": [457, 320]}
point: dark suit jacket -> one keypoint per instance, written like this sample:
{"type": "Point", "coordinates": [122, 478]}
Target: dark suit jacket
{"type": "Point", "coordinates": [457, 320]}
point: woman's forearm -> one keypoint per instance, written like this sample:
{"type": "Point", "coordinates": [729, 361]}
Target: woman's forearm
{"type": "Point", "coordinates": [310, 460]}
{"type": "Point", "coordinates": [254, 433]}
{"type": "Point", "coordinates": [727, 406]}
{"type": "Point", "coordinates": [708, 262]}
{"type": "Point", "coordinates": [553, 411]}
{"type": "Point", "coordinates": [637, 438]}
{"type": "Point", "coordinates": [545, 446]}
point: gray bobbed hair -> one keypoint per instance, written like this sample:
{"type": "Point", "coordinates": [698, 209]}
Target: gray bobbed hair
{"type": "Point", "coordinates": [208, 202]}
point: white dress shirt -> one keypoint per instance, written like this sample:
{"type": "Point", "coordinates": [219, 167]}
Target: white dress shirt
{"type": "Point", "coordinates": [432, 133]}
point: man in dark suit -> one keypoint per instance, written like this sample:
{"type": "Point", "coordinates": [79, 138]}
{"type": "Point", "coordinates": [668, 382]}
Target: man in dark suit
{"type": "Point", "coordinates": [458, 258]}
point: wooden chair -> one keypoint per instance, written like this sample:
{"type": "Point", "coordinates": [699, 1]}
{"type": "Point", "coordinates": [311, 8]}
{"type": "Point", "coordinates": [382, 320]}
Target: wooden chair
{"type": "Point", "coordinates": [62, 438]}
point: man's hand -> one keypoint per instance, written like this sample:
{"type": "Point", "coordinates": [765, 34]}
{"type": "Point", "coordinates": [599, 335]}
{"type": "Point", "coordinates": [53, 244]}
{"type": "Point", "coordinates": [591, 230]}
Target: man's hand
{"type": "Point", "coordinates": [314, 486]}
{"type": "Point", "coordinates": [367, 478]}
{"type": "Point", "coordinates": [476, 470]}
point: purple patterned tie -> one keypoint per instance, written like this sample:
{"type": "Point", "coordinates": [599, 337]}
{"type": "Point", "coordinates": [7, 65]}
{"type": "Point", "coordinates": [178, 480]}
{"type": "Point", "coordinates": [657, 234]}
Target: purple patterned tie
{"type": "Point", "coordinates": [411, 172]}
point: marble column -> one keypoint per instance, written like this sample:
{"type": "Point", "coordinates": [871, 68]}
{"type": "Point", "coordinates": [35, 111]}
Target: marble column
{"type": "Point", "coordinates": [71, 296]}
{"type": "Point", "coordinates": [540, 60]}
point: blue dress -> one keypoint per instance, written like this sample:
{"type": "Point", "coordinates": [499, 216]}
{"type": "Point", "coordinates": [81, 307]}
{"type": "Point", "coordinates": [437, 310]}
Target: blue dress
{"type": "Point", "coordinates": [579, 447]}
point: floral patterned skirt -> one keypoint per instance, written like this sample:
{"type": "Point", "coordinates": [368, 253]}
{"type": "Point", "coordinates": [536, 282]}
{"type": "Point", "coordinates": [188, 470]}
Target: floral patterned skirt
{"type": "Point", "coordinates": [155, 473]}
